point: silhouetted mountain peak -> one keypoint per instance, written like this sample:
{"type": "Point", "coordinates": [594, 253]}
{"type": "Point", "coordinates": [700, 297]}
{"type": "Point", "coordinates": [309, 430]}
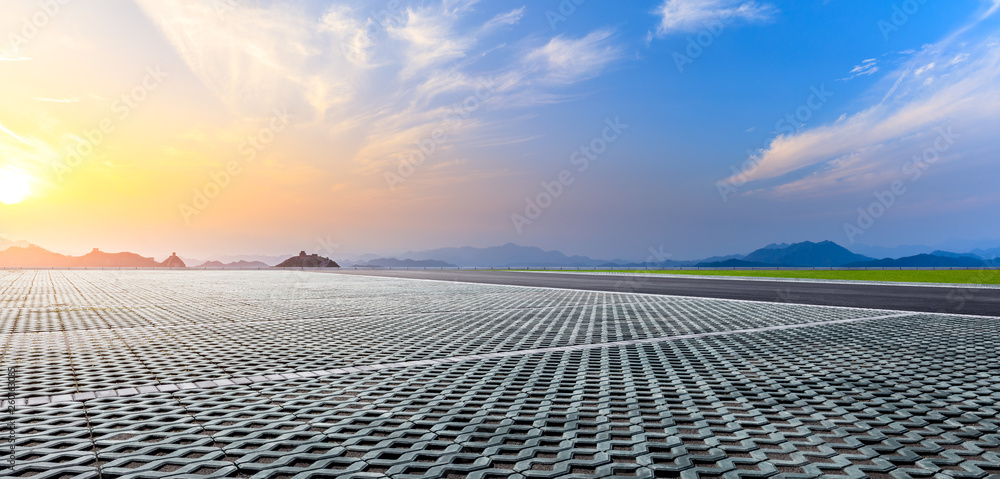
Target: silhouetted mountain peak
{"type": "Point", "coordinates": [304, 260]}
{"type": "Point", "coordinates": [173, 262]}
{"type": "Point", "coordinates": [806, 253]}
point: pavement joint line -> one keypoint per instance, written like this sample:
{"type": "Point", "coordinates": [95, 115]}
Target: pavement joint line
{"type": "Point", "coordinates": [212, 384]}
{"type": "Point", "coordinates": [703, 298]}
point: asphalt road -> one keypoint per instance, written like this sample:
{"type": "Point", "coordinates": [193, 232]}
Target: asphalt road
{"type": "Point", "coordinates": [956, 300]}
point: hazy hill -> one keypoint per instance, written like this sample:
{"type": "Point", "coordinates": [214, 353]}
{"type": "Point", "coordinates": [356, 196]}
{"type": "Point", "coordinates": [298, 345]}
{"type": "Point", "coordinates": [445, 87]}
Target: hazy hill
{"type": "Point", "coordinates": [948, 254]}
{"type": "Point", "coordinates": [100, 259]}
{"type": "Point", "coordinates": [735, 263]}
{"type": "Point", "coordinates": [6, 243]}
{"type": "Point", "coordinates": [405, 263]}
{"type": "Point", "coordinates": [32, 257]}
{"type": "Point", "coordinates": [235, 265]}
{"type": "Point", "coordinates": [269, 260]}
{"type": "Point", "coordinates": [922, 261]}
{"type": "Point", "coordinates": [992, 253]}
{"type": "Point", "coordinates": [509, 254]}
{"type": "Point", "coordinates": [36, 257]}
{"type": "Point", "coordinates": [719, 259]}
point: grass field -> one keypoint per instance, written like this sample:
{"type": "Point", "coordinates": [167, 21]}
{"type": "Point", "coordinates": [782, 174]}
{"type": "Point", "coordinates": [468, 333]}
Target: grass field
{"type": "Point", "coordinates": [908, 276]}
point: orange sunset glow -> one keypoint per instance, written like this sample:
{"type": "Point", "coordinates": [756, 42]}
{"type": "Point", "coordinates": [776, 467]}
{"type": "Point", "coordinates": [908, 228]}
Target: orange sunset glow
{"type": "Point", "coordinates": [226, 128]}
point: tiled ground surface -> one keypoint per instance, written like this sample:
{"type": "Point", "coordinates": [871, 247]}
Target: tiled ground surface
{"type": "Point", "coordinates": [912, 396]}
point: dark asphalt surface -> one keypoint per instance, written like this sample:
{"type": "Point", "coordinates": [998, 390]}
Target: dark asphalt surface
{"type": "Point", "coordinates": [956, 300]}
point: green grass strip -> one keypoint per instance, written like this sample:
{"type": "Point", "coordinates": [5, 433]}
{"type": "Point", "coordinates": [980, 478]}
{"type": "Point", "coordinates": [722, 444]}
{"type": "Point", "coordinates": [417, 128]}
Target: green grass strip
{"type": "Point", "coordinates": [983, 276]}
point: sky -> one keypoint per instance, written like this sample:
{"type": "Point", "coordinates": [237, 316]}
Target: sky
{"type": "Point", "coordinates": [601, 128]}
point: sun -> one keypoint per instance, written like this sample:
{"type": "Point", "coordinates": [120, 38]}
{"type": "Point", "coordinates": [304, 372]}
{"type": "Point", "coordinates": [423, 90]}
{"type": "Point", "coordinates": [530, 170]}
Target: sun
{"type": "Point", "coordinates": [15, 186]}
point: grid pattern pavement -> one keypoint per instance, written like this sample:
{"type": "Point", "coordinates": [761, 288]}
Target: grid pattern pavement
{"type": "Point", "coordinates": [904, 396]}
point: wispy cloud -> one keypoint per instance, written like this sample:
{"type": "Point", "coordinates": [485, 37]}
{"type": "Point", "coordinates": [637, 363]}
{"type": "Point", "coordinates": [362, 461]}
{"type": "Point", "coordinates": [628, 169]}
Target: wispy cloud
{"type": "Point", "coordinates": [867, 67]}
{"type": "Point", "coordinates": [382, 80]}
{"type": "Point", "coordinates": [870, 146]}
{"type": "Point", "coordinates": [567, 60]}
{"type": "Point", "coordinates": [504, 20]}
{"type": "Point", "coordinates": [993, 8]}
{"type": "Point", "coordinates": [690, 15]}
{"type": "Point", "coordinates": [430, 38]}
{"type": "Point", "coordinates": [15, 135]}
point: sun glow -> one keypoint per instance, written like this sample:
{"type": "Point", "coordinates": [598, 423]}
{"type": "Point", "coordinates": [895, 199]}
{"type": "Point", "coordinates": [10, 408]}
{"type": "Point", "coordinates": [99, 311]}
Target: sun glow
{"type": "Point", "coordinates": [15, 186]}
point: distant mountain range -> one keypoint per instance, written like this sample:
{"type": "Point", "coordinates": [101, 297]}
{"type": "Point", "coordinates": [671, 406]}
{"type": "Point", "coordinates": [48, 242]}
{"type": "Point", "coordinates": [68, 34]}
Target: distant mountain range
{"type": "Point", "coordinates": [403, 263]}
{"type": "Point", "coordinates": [924, 261]}
{"type": "Point", "coordinates": [6, 243]}
{"type": "Point", "coordinates": [267, 260]}
{"type": "Point", "coordinates": [32, 256]}
{"type": "Point", "coordinates": [830, 254]}
{"type": "Point", "coordinates": [983, 249]}
{"type": "Point", "coordinates": [508, 255]}
{"type": "Point", "coordinates": [808, 253]}
{"type": "Point", "coordinates": [235, 265]}
{"type": "Point", "coordinates": [805, 254]}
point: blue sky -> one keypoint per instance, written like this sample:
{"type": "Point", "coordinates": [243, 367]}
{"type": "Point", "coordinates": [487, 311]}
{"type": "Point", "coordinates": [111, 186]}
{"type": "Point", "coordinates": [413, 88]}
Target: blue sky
{"type": "Point", "coordinates": [733, 123]}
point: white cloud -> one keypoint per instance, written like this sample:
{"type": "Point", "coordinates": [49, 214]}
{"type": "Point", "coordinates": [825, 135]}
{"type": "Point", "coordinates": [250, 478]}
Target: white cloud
{"type": "Point", "coordinates": [924, 69]}
{"type": "Point", "coordinates": [691, 15]}
{"type": "Point", "coordinates": [430, 39]}
{"type": "Point", "coordinates": [504, 20]}
{"type": "Point", "coordinates": [864, 149]}
{"type": "Point", "coordinates": [867, 67]}
{"type": "Point", "coordinates": [992, 9]}
{"type": "Point", "coordinates": [379, 81]}
{"type": "Point", "coordinates": [566, 60]}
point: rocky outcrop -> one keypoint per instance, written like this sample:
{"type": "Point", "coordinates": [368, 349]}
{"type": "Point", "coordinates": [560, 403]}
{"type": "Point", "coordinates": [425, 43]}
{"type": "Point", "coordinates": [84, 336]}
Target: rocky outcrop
{"type": "Point", "coordinates": [173, 262]}
{"type": "Point", "coordinates": [308, 261]}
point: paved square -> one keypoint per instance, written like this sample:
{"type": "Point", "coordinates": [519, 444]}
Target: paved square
{"type": "Point", "coordinates": [298, 374]}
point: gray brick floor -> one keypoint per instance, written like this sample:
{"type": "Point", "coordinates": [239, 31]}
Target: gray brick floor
{"type": "Point", "coordinates": [296, 374]}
